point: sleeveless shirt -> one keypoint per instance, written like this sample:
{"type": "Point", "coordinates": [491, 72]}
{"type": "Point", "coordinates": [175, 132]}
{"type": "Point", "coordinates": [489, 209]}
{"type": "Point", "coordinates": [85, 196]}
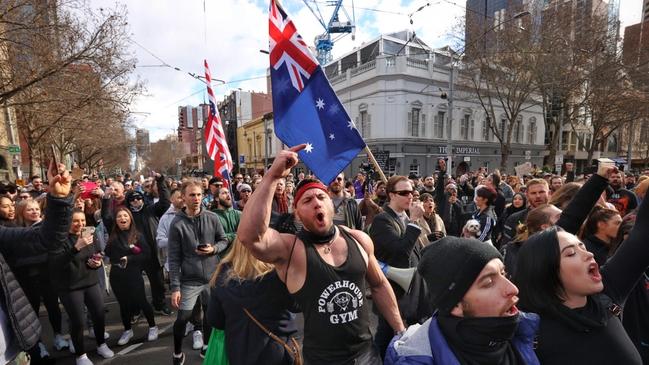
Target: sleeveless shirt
{"type": "Point", "coordinates": [336, 314]}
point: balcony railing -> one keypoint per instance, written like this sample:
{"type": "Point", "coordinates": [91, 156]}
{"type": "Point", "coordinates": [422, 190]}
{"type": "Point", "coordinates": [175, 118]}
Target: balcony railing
{"type": "Point", "coordinates": [417, 63]}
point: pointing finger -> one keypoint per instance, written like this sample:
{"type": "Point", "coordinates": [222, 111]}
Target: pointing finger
{"type": "Point", "coordinates": [298, 148]}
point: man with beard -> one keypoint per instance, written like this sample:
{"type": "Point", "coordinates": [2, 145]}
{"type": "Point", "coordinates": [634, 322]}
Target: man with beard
{"type": "Point", "coordinates": [228, 216]}
{"type": "Point", "coordinates": [476, 320]}
{"type": "Point", "coordinates": [624, 200]}
{"type": "Point", "coordinates": [429, 185]}
{"type": "Point", "coordinates": [337, 260]}
{"type": "Point", "coordinates": [537, 193]}
{"type": "Point", "coordinates": [37, 187]}
{"type": "Point", "coordinates": [346, 211]}
{"type": "Point", "coordinates": [556, 182]}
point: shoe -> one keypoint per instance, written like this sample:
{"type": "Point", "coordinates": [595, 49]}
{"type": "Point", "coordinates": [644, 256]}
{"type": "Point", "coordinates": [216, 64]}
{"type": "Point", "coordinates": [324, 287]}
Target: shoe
{"type": "Point", "coordinates": [203, 352]}
{"type": "Point", "coordinates": [125, 338]}
{"type": "Point", "coordinates": [83, 360]}
{"type": "Point", "coordinates": [153, 334]}
{"type": "Point", "coordinates": [91, 333]}
{"type": "Point", "coordinates": [197, 342]}
{"type": "Point", "coordinates": [179, 360]}
{"type": "Point", "coordinates": [104, 351]}
{"type": "Point", "coordinates": [60, 342]}
{"type": "Point", "coordinates": [165, 311]}
{"type": "Point", "coordinates": [71, 346]}
{"type": "Point", "coordinates": [189, 327]}
{"type": "Point", "coordinates": [43, 350]}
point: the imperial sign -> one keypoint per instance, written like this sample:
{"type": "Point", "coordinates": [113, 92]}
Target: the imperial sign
{"type": "Point", "coordinates": [461, 150]}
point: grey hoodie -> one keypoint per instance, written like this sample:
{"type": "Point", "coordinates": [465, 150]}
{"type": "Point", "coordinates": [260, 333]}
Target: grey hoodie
{"type": "Point", "coordinates": [185, 234]}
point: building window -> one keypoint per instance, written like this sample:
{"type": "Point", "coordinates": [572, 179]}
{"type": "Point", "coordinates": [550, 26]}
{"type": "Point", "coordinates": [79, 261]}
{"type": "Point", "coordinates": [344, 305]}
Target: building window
{"type": "Point", "coordinates": [471, 129]}
{"type": "Point", "coordinates": [392, 166]}
{"type": "Point", "coordinates": [517, 131]}
{"type": "Point", "coordinates": [486, 129]}
{"type": "Point", "coordinates": [413, 122]}
{"type": "Point", "coordinates": [464, 127]}
{"type": "Point", "coordinates": [612, 143]}
{"type": "Point", "coordinates": [414, 168]}
{"type": "Point", "coordinates": [364, 120]}
{"type": "Point", "coordinates": [438, 125]}
{"type": "Point", "coordinates": [531, 133]}
{"type": "Point", "coordinates": [502, 129]}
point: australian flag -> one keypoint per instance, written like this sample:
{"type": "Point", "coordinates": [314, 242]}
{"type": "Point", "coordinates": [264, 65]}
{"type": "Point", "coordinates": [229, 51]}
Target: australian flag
{"type": "Point", "coordinates": [305, 107]}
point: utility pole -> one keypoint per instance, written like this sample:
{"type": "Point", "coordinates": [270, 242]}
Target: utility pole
{"type": "Point", "coordinates": [451, 90]}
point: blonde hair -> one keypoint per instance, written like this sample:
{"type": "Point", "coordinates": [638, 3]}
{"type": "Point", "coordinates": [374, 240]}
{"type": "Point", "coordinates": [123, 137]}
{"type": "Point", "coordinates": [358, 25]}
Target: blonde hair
{"type": "Point", "coordinates": [21, 207]}
{"type": "Point", "coordinates": [243, 265]}
{"type": "Point", "coordinates": [641, 188]}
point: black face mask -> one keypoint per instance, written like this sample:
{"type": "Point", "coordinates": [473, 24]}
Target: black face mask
{"type": "Point", "coordinates": [484, 341]}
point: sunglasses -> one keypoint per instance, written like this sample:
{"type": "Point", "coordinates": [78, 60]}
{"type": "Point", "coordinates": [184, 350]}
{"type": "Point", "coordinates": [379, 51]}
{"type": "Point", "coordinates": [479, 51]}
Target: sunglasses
{"type": "Point", "coordinates": [137, 198]}
{"type": "Point", "coordinates": [403, 192]}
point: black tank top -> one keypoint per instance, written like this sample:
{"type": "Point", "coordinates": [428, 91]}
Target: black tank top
{"type": "Point", "coordinates": [336, 314]}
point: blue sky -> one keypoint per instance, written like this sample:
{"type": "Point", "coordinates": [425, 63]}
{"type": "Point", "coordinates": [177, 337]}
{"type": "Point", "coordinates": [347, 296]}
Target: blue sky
{"type": "Point", "coordinates": [230, 33]}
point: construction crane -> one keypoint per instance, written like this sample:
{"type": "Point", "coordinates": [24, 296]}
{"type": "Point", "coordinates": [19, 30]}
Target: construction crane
{"type": "Point", "coordinates": [335, 26]}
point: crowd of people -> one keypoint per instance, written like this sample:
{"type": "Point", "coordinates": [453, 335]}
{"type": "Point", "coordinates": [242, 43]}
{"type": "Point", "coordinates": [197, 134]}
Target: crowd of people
{"type": "Point", "coordinates": [501, 269]}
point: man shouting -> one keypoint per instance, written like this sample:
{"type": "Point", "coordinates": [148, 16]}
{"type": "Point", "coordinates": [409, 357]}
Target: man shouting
{"type": "Point", "coordinates": [336, 259]}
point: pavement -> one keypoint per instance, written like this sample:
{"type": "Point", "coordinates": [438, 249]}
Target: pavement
{"type": "Point", "coordinates": [138, 351]}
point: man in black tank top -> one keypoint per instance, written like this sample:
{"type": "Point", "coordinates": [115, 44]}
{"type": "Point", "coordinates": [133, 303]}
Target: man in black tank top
{"type": "Point", "coordinates": [324, 267]}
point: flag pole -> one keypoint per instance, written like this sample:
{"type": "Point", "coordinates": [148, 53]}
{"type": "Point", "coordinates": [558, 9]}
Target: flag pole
{"type": "Point", "coordinates": [370, 156]}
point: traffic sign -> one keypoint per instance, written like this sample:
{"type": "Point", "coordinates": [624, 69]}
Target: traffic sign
{"type": "Point", "coordinates": [14, 149]}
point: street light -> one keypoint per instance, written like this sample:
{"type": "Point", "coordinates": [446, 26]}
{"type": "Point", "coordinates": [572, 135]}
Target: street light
{"type": "Point", "coordinates": [451, 83]}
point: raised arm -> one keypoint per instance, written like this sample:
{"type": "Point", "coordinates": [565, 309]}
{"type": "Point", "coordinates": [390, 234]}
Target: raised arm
{"type": "Point", "coordinates": [163, 203]}
{"type": "Point", "coordinates": [578, 209]}
{"type": "Point", "coordinates": [266, 244]}
{"type": "Point", "coordinates": [623, 270]}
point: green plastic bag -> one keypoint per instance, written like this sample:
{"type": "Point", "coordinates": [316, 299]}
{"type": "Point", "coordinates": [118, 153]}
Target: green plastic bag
{"type": "Point", "coordinates": [216, 353]}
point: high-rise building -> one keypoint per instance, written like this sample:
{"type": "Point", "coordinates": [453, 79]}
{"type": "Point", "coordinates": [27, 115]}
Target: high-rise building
{"type": "Point", "coordinates": [645, 10]}
{"type": "Point", "coordinates": [484, 16]}
{"type": "Point", "coordinates": [191, 120]}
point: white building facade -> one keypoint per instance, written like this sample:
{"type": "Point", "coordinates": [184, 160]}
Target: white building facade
{"type": "Point", "coordinates": [392, 88]}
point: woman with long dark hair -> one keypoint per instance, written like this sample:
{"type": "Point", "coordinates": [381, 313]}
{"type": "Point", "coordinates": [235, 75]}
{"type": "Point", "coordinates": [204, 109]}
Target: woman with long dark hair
{"type": "Point", "coordinates": [579, 306]}
{"type": "Point", "coordinates": [128, 252]}
{"type": "Point", "coordinates": [73, 269]}
{"type": "Point", "coordinates": [600, 231]}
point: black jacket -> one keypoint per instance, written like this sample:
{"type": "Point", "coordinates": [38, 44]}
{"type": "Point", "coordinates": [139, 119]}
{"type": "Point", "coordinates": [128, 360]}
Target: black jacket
{"type": "Point", "coordinates": [394, 243]}
{"type": "Point", "coordinates": [23, 321]}
{"type": "Point", "coordinates": [118, 247]}
{"type": "Point", "coordinates": [69, 269]}
{"type": "Point", "coordinates": [509, 228]}
{"type": "Point", "coordinates": [269, 302]}
{"type": "Point", "coordinates": [23, 243]}
{"type": "Point", "coordinates": [185, 234]}
{"type": "Point", "coordinates": [594, 334]}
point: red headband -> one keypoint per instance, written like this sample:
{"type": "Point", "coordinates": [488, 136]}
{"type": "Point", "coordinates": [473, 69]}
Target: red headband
{"type": "Point", "coordinates": [302, 189]}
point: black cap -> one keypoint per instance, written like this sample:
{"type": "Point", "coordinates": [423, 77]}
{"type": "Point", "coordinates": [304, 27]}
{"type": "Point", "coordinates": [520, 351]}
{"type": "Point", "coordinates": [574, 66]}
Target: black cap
{"type": "Point", "coordinates": [132, 195]}
{"type": "Point", "coordinates": [450, 266]}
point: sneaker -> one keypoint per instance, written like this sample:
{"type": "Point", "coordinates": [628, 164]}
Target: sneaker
{"type": "Point", "coordinates": [83, 360]}
{"type": "Point", "coordinates": [189, 327]}
{"type": "Point", "coordinates": [203, 352]}
{"type": "Point", "coordinates": [60, 342]}
{"type": "Point", "coordinates": [165, 311]}
{"type": "Point", "coordinates": [71, 346]}
{"type": "Point", "coordinates": [43, 350]}
{"type": "Point", "coordinates": [104, 351]}
{"type": "Point", "coordinates": [125, 338]}
{"type": "Point", "coordinates": [179, 360]}
{"type": "Point", "coordinates": [153, 333]}
{"type": "Point", "coordinates": [197, 342]}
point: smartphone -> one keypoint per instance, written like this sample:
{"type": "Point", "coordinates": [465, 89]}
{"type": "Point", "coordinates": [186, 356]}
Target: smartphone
{"type": "Point", "coordinates": [122, 263]}
{"type": "Point", "coordinates": [87, 231]}
{"type": "Point", "coordinates": [202, 246]}
{"type": "Point", "coordinates": [53, 152]}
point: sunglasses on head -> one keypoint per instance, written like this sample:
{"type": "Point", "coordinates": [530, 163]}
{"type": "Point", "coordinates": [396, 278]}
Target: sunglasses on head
{"type": "Point", "coordinates": [403, 192]}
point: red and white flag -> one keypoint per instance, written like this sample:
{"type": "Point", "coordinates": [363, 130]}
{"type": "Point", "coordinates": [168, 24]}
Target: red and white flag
{"type": "Point", "coordinates": [217, 146]}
